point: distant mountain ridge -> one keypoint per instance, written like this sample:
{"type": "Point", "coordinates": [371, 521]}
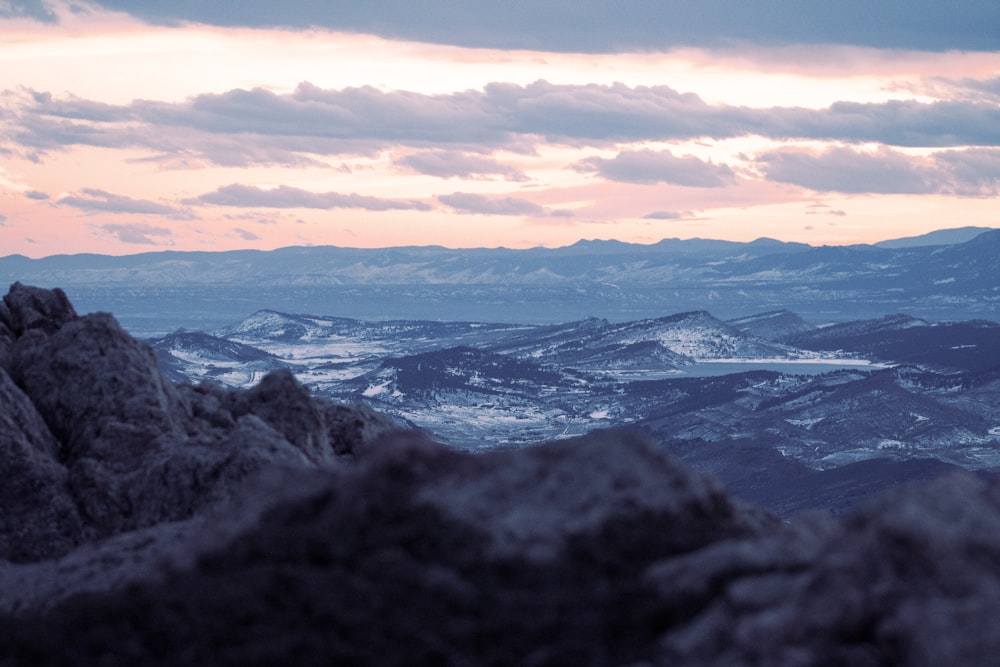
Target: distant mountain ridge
{"type": "Point", "coordinates": [666, 262]}
{"type": "Point", "coordinates": [939, 237]}
{"type": "Point", "coordinates": [605, 279]}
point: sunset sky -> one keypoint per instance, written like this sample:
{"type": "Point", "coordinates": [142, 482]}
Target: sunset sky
{"type": "Point", "coordinates": [130, 126]}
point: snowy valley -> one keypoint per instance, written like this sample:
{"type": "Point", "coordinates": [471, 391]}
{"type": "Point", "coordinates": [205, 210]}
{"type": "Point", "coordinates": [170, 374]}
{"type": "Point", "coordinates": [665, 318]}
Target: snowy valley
{"type": "Point", "coordinates": [790, 397]}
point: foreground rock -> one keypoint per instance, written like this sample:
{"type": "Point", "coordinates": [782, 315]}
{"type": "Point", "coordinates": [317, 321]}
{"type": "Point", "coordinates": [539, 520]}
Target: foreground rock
{"type": "Point", "coordinates": [382, 563]}
{"type": "Point", "coordinates": [197, 525]}
{"type": "Point", "coordinates": [90, 426]}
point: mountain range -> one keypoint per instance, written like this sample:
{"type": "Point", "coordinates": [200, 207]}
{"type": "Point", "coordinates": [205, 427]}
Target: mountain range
{"type": "Point", "coordinates": [952, 274]}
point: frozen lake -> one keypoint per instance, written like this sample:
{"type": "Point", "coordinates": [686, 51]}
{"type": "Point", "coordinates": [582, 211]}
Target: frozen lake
{"type": "Point", "coordinates": [717, 368]}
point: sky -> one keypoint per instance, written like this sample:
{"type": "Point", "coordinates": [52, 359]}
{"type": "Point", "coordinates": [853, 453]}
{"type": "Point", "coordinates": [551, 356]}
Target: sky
{"type": "Point", "coordinates": [135, 126]}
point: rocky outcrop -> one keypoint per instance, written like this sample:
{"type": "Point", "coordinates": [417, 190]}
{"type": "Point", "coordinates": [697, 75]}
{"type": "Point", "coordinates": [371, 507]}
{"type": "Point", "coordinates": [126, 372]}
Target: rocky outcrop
{"type": "Point", "coordinates": [27, 308]}
{"type": "Point", "coordinates": [96, 442]}
{"type": "Point", "coordinates": [198, 525]}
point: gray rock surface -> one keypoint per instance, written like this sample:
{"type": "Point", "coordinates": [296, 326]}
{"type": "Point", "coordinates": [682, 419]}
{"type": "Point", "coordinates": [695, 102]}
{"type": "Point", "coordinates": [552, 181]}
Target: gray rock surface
{"type": "Point", "coordinates": [95, 442]}
{"type": "Point", "coordinates": [26, 308]}
{"type": "Point", "coordinates": [38, 515]}
{"type": "Point", "coordinates": [911, 579]}
{"type": "Point", "coordinates": [531, 502]}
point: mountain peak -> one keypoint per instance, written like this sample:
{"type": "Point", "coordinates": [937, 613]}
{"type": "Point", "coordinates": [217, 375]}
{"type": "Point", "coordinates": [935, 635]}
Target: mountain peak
{"type": "Point", "coordinates": [939, 237]}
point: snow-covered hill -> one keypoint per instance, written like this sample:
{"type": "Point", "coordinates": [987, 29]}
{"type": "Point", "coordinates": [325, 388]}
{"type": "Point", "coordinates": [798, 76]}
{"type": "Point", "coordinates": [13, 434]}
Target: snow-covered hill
{"type": "Point", "coordinates": [186, 354]}
{"type": "Point", "coordinates": [470, 383]}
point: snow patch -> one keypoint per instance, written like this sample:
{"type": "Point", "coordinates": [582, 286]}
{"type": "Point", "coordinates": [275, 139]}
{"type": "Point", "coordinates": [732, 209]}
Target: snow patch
{"type": "Point", "coordinates": [887, 443]}
{"type": "Point", "coordinates": [805, 423]}
{"type": "Point", "coordinates": [376, 390]}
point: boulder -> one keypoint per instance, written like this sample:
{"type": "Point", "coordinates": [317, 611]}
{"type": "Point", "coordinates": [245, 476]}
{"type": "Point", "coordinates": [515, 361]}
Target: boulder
{"type": "Point", "coordinates": [283, 403]}
{"type": "Point", "coordinates": [26, 308]}
{"type": "Point", "coordinates": [96, 434]}
{"type": "Point", "coordinates": [352, 429]}
{"type": "Point", "coordinates": [38, 514]}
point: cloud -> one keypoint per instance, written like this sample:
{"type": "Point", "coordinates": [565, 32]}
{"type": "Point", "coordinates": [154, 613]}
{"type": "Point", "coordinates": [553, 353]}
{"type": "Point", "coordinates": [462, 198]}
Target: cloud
{"type": "Point", "coordinates": [138, 233]}
{"type": "Point", "coordinates": [3, 220]}
{"type": "Point", "coordinates": [352, 113]}
{"type": "Point", "coordinates": [33, 9]}
{"type": "Point", "coordinates": [251, 127]}
{"type": "Point", "coordinates": [36, 195]}
{"type": "Point", "coordinates": [668, 215]}
{"type": "Point", "coordinates": [967, 88]}
{"type": "Point", "coordinates": [255, 218]}
{"type": "Point", "coordinates": [246, 235]}
{"type": "Point", "coordinates": [902, 123]}
{"type": "Point", "coordinates": [848, 170]}
{"type": "Point", "coordinates": [456, 164]}
{"type": "Point", "coordinates": [601, 26]}
{"type": "Point", "coordinates": [106, 202]}
{"type": "Point", "coordinates": [972, 172]}
{"type": "Point", "coordinates": [467, 202]}
{"type": "Point", "coordinates": [823, 209]}
{"type": "Point", "coordinates": [649, 167]}
{"type": "Point", "coordinates": [249, 196]}
{"type": "Point", "coordinates": [258, 127]}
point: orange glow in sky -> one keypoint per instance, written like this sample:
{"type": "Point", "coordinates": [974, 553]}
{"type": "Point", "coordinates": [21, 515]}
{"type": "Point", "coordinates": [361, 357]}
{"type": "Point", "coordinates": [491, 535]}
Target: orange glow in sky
{"type": "Point", "coordinates": [118, 136]}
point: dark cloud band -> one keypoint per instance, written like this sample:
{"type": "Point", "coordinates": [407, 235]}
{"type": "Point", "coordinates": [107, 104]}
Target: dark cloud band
{"type": "Point", "coordinates": [599, 26]}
